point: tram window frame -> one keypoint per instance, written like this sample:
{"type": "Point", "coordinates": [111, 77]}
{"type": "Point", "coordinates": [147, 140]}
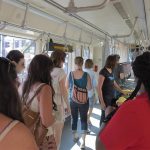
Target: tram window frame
{"type": "Point", "coordinates": [28, 54]}
{"type": "Point", "coordinates": [3, 42]}
{"type": "Point", "coordinates": [86, 53]}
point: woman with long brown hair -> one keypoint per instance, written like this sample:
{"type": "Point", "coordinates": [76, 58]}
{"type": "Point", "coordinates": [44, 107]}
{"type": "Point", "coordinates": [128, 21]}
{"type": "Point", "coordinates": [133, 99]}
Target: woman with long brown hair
{"type": "Point", "coordinates": [13, 133]}
{"type": "Point", "coordinates": [106, 85]}
{"type": "Point", "coordinates": [39, 75]}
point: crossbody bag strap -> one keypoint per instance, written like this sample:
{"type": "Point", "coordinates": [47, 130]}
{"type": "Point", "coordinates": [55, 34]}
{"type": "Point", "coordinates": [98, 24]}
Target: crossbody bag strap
{"type": "Point", "coordinates": [72, 77]}
{"type": "Point", "coordinates": [36, 93]}
{"type": "Point", "coordinates": [7, 129]}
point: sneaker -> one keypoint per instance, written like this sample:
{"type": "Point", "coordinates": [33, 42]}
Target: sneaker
{"type": "Point", "coordinates": [76, 139]}
{"type": "Point", "coordinates": [88, 131]}
{"type": "Point", "coordinates": [89, 124]}
{"type": "Point", "coordinates": [82, 146]}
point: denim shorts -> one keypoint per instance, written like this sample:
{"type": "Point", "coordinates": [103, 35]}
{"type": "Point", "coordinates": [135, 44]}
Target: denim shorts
{"type": "Point", "coordinates": [91, 102]}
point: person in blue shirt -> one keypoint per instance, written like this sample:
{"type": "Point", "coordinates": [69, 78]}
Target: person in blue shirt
{"type": "Point", "coordinates": [91, 93]}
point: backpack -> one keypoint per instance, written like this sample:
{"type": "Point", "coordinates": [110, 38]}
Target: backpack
{"type": "Point", "coordinates": [79, 95]}
{"type": "Point", "coordinates": [32, 119]}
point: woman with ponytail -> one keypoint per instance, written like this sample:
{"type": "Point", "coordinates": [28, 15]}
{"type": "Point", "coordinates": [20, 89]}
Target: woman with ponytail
{"type": "Point", "coordinates": [129, 127]}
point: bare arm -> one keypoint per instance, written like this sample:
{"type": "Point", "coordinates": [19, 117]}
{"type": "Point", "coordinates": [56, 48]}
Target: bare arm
{"type": "Point", "coordinates": [122, 76]}
{"type": "Point", "coordinates": [46, 106]}
{"type": "Point", "coordinates": [99, 88]}
{"type": "Point", "coordinates": [89, 84]}
{"type": "Point", "coordinates": [117, 87]}
{"type": "Point", "coordinates": [67, 83]}
{"type": "Point", "coordinates": [99, 144]}
{"type": "Point", "coordinates": [64, 90]}
{"type": "Point", "coordinates": [22, 138]}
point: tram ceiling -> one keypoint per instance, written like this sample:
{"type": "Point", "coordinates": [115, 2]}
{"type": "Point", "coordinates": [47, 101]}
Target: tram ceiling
{"type": "Point", "coordinates": [26, 16]}
{"type": "Point", "coordinates": [113, 23]}
{"type": "Point", "coordinates": [17, 12]}
{"type": "Point", "coordinates": [114, 18]}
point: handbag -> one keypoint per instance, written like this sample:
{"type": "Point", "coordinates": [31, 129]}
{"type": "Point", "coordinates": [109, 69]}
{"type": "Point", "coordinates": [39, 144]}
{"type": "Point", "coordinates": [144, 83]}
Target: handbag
{"type": "Point", "coordinates": [80, 95]}
{"type": "Point", "coordinates": [33, 121]}
{"type": "Point", "coordinates": [49, 143]}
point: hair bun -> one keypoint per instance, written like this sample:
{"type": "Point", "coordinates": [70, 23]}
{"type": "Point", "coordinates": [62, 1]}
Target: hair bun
{"type": "Point", "coordinates": [141, 66]}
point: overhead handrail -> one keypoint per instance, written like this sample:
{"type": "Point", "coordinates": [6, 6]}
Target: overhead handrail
{"type": "Point", "coordinates": [25, 16]}
{"type": "Point", "coordinates": [131, 32]}
{"type": "Point", "coordinates": [2, 25]}
{"type": "Point", "coordinates": [33, 42]}
{"type": "Point", "coordinates": [73, 9]}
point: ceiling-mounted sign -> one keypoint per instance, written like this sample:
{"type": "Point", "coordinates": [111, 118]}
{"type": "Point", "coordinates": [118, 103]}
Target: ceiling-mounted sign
{"type": "Point", "coordinates": [50, 46]}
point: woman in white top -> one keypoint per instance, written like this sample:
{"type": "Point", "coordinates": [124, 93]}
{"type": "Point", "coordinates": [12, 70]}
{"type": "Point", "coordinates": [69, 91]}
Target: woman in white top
{"type": "Point", "coordinates": [91, 93]}
{"type": "Point", "coordinates": [39, 74]}
{"type": "Point", "coordinates": [14, 135]}
{"type": "Point", "coordinates": [61, 96]}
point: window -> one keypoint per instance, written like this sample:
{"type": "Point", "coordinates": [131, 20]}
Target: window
{"type": "Point", "coordinates": [27, 46]}
{"type": "Point", "coordinates": [9, 43]}
{"type": "Point", "coordinates": [86, 53]}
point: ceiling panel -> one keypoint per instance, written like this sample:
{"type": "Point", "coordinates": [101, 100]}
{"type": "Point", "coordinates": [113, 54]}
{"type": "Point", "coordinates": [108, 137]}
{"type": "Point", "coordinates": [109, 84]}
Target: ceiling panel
{"type": "Point", "coordinates": [79, 3]}
{"type": "Point", "coordinates": [107, 19]}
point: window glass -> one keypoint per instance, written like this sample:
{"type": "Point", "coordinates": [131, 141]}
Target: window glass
{"type": "Point", "coordinates": [26, 46]}
{"type": "Point", "coordinates": [65, 66]}
{"type": "Point", "coordinates": [86, 53]}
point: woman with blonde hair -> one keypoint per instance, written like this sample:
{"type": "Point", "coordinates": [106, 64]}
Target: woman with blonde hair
{"type": "Point", "coordinates": [79, 83]}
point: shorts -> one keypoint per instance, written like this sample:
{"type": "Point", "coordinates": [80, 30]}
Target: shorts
{"type": "Point", "coordinates": [91, 102]}
{"type": "Point", "coordinates": [108, 101]}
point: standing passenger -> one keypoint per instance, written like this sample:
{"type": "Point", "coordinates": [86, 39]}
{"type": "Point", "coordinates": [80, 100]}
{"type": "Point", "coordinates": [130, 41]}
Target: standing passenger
{"type": "Point", "coordinates": [13, 133]}
{"type": "Point", "coordinates": [106, 84]}
{"type": "Point", "coordinates": [81, 80]}
{"type": "Point", "coordinates": [17, 58]}
{"type": "Point", "coordinates": [61, 95]}
{"type": "Point", "coordinates": [39, 75]}
{"type": "Point", "coordinates": [89, 69]}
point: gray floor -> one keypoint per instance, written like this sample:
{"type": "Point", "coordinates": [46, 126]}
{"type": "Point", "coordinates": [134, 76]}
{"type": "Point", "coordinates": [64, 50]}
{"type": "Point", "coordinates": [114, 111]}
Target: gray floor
{"type": "Point", "coordinates": [68, 144]}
